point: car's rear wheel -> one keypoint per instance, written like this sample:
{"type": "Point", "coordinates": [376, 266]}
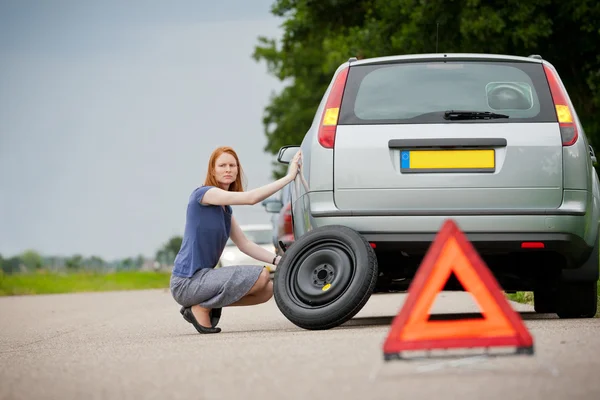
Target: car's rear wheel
{"type": "Point", "coordinates": [577, 300]}
{"type": "Point", "coordinates": [325, 278]}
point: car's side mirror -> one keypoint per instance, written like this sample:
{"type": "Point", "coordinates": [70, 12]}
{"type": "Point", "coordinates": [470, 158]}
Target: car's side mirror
{"type": "Point", "coordinates": [273, 207]}
{"type": "Point", "coordinates": [286, 153]}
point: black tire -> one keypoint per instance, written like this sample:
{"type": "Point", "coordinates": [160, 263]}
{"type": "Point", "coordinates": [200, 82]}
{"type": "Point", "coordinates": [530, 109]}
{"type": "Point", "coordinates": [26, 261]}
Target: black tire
{"type": "Point", "coordinates": [577, 300]}
{"type": "Point", "coordinates": [334, 255]}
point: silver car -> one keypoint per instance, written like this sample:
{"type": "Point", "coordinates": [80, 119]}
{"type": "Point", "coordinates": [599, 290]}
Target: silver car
{"type": "Point", "coordinates": [399, 145]}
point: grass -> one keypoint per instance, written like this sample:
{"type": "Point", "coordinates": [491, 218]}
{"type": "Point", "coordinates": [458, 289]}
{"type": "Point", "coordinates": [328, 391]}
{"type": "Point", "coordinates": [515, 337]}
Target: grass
{"type": "Point", "coordinates": [521, 297]}
{"type": "Point", "coordinates": [527, 298]}
{"type": "Point", "coordinates": [51, 283]}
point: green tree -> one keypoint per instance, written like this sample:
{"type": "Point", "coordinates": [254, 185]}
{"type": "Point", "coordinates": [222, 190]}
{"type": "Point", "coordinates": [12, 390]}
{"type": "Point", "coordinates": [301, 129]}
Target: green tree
{"type": "Point", "coordinates": [319, 35]}
{"type": "Point", "coordinates": [74, 263]}
{"type": "Point", "coordinates": [174, 244]}
{"type": "Point", "coordinates": [161, 256]}
{"type": "Point", "coordinates": [139, 261]}
{"type": "Point", "coordinates": [96, 262]}
{"type": "Point", "coordinates": [166, 254]}
{"type": "Point", "coordinates": [32, 260]}
{"type": "Point", "coordinates": [127, 264]}
{"type": "Point", "coordinates": [12, 265]}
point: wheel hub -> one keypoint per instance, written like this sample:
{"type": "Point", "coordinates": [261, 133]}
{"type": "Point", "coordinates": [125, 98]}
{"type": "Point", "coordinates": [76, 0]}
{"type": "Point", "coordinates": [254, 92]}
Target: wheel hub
{"type": "Point", "coordinates": [322, 274]}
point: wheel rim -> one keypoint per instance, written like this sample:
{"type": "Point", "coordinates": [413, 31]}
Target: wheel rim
{"type": "Point", "coordinates": [323, 272]}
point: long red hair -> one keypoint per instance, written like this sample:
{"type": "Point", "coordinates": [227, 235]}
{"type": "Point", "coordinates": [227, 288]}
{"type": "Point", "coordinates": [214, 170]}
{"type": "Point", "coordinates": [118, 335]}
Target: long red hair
{"type": "Point", "coordinates": [237, 185]}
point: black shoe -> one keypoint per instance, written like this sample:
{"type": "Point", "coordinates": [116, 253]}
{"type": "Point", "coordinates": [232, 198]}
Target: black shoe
{"type": "Point", "coordinates": [215, 315]}
{"type": "Point", "coordinates": [189, 316]}
{"type": "Point", "coordinates": [182, 311]}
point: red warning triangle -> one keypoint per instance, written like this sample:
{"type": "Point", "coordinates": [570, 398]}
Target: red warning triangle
{"type": "Point", "coordinates": [450, 252]}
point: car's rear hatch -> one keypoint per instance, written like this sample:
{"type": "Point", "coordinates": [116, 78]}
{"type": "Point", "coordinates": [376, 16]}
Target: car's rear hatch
{"type": "Point", "coordinates": [398, 149]}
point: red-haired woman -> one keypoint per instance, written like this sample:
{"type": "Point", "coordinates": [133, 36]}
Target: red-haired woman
{"type": "Point", "coordinates": [196, 285]}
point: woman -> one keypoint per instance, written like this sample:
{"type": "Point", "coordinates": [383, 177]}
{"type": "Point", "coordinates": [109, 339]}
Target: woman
{"type": "Point", "coordinates": [200, 289]}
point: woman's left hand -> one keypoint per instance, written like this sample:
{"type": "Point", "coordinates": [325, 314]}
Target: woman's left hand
{"type": "Point", "coordinates": [277, 259]}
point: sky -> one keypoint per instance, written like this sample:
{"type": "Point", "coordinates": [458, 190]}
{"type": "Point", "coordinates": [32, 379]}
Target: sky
{"type": "Point", "coordinates": [109, 111]}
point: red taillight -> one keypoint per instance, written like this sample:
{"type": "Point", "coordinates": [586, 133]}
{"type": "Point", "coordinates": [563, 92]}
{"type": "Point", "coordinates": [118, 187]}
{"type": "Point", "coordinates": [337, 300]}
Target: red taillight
{"type": "Point", "coordinates": [287, 219]}
{"type": "Point", "coordinates": [532, 245]}
{"type": "Point", "coordinates": [373, 245]}
{"type": "Point", "coordinates": [331, 113]}
{"type": "Point", "coordinates": [568, 128]}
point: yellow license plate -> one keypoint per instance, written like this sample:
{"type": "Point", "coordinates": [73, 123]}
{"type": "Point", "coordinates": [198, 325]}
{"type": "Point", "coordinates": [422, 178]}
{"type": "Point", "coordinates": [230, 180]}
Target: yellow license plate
{"type": "Point", "coordinates": [447, 161]}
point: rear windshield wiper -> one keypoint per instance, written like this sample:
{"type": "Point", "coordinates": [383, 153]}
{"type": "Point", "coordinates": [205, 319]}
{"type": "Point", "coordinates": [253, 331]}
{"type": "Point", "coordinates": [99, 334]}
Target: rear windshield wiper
{"type": "Point", "coordinates": [454, 115]}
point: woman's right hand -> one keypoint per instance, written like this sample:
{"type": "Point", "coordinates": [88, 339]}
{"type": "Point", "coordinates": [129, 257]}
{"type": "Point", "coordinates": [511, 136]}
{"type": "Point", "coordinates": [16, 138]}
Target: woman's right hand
{"type": "Point", "coordinates": [295, 164]}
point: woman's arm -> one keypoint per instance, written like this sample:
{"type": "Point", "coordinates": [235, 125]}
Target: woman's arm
{"type": "Point", "coordinates": [220, 197]}
{"type": "Point", "coordinates": [250, 248]}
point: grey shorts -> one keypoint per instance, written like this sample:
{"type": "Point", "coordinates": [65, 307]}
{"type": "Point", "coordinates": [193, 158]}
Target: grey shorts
{"type": "Point", "coordinates": [215, 288]}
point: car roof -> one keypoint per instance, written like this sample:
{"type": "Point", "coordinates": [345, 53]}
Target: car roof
{"type": "Point", "coordinates": [446, 56]}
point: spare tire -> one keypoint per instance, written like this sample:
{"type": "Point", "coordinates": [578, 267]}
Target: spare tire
{"type": "Point", "coordinates": [325, 277]}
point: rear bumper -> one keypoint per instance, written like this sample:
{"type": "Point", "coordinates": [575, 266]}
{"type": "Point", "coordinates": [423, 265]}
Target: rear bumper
{"type": "Point", "coordinates": [573, 247]}
{"type": "Point", "coordinates": [568, 230]}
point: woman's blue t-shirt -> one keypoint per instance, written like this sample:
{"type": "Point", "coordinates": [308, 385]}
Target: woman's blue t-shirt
{"type": "Point", "coordinates": [207, 229]}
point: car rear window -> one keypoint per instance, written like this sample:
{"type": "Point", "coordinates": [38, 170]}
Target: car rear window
{"type": "Point", "coordinates": [421, 92]}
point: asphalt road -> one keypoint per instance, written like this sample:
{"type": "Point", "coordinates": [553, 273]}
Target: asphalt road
{"type": "Point", "coordinates": [135, 345]}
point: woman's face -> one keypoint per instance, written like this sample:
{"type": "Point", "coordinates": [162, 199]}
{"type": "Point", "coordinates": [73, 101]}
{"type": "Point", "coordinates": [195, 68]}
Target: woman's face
{"type": "Point", "coordinates": [226, 170]}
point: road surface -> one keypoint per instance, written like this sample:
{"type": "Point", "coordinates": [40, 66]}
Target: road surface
{"type": "Point", "coordinates": [135, 345]}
